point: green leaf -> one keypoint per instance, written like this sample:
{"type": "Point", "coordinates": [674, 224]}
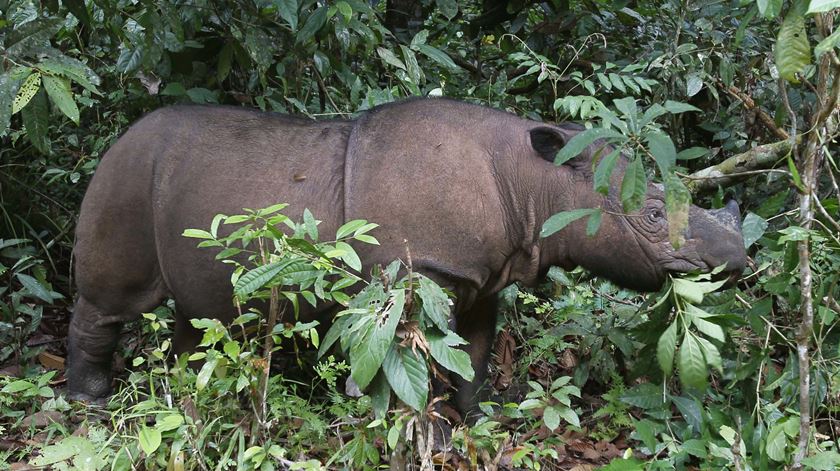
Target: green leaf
{"type": "Point", "coordinates": [617, 82]}
{"type": "Point", "coordinates": [604, 171]}
{"type": "Point", "coordinates": [59, 91]}
{"type": "Point", "coordinates": [698, 318]}
{"type": "Point", "coordinates": [197, 234]}
{"type": "Point", "coordinates": [26, 91]}
{"type": "Point", "coordinates": [389, 57]}
{"type": "Point", "coordinates": [677, 204]}
{"type": "Point", "coordinates": [627, 106]}
{"type": "Point", "coordinates": [675, 107]}
{"type": "Point", "coordinates": [551, 418]}
{"type": "Point", "coordinates": [35, 288]}
{"type": "Point", "coordinates": [777, 443]}
{"type": "Point", "coordinates": [368, 353]}
{"type": "Point", "coordinates": [17, 386]}
{"type": "Point", "coordinates": [690, 290]}
{"type": "Point", "coordinates": [36, 119]}
{"type": "Point", "coordinates": [644, 396]}
{"type": "Point", "coordinates": [449, 8]}
{"type": "Point", "coordinates": [313, 24]}
{"type": "Point", "coordinates": [8, 94]}
{"type": "Point", "coordinates": [350, 257]}
{"type": "Point", "coordinates": [693, 84]}
{"type": "Point", "coordinates": [769, 8]}
{"type": "Point", "coordinates": [347, 228]}
{"type": "Point", "coordinates": [692, 153]}
{"type": "Point", "coordinates": [149, 439]}
{"type": "Point", "coordinates": [692, 363]}
{"type": "Point", "coordinates": [711, 353]}
{"type": "Point", "coordinates": [206, 372]}
{"type": "Point", "coordinates": [444, 351]}
{"type": "Point", "coordinates": [310, 225]}
{"type": "Point", "coordinates": [72, 69]}
{"type": "Point", "coordinates": [345, 9]}
{"type": "Point", "coordinates": [580, 141]}
{"type": "Point", "coordinates": [633, 186]}
{"type": "Point", "coordinates": [436, 304]}
{"type": "Point", "coordinates": [820, 6]}
{"type": "Point", "coordinates": [130, 59]}
{"type": "Point", "coordinates": [827, 44]}
{"type": "Point", "coordinates": [792, 50]}
{"type": "Point", "coordinates": [408, 376]}
{"type": "Point", "coordinates": [169, 422]}
{"type": "Point", "coordinates": [563, 219]}
{"type": "Point", "coordinates": [823, 461]}
{"type": "Point", "coordinates": [666, 347]}
{"type": "Point", "coordinates": [288, 10]}
{"type": "Point", "coordinates": [438, 56]}
{"type": "Point", "coordinates": [663, 150]}
{"type": "Point", "coordinates": [258, 277]}
{"type": "Point", "coordinates": [593, 223]}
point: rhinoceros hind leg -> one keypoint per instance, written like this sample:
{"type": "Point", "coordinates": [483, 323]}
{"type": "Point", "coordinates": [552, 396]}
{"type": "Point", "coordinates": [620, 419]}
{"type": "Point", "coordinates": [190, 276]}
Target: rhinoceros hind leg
{"type": "Point", "coordinates": [477, 325]}
{"type": "Point", "coordinates": [91, 341]}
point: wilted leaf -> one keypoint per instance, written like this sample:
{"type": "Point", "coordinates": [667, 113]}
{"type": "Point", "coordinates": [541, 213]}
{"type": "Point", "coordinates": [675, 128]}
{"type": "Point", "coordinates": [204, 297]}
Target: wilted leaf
{"type": "Point", "coordinates": [26, 91]}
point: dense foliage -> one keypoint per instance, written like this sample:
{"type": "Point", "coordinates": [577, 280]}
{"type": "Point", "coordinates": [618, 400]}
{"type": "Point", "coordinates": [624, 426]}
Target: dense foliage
{"type": "Point", "coordinates": [743, 378]}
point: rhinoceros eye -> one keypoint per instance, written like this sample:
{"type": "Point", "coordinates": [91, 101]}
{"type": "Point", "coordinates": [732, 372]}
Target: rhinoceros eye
{"type": "Point", "coordinates": [655, 215]}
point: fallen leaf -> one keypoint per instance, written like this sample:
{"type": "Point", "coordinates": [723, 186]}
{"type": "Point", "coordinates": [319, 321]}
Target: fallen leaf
{"type": "Point", "coordinates": [50, 361]}
{"type": "Point", "coordinates": [504, 348]}
{"type": "Point", "coordinates": [42, 419]}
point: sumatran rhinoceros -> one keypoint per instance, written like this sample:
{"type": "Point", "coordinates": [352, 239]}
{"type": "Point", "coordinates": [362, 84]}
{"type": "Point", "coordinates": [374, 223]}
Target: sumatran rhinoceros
{"type": "Point", "coordinates": [468, 188]}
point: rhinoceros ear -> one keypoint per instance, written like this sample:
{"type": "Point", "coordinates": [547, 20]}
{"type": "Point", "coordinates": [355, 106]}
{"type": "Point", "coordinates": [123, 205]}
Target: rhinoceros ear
{"type": "Point", "coordinates": [547, 141]}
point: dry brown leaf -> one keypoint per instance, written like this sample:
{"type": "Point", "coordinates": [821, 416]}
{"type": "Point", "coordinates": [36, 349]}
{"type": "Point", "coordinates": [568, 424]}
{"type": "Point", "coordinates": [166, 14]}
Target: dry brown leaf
{"type": "Point", "coordinates": [42, 419]}
{"type": "Point", "coordinates": [50, 361]}
{"type": "Point", "coordinates": [504, 348]}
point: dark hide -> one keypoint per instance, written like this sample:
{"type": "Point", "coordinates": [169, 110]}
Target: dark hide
{"type": "Point", "coordinates": [467, 187]}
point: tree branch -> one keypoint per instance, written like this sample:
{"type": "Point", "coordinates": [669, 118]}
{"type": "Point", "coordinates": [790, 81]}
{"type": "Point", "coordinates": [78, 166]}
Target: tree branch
{"type": "Point", "coordinates": [750, 105]}
{"type": "Point", "coordinates": [737, 167]}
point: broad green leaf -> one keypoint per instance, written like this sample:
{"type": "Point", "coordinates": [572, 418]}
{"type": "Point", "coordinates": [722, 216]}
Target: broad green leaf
{"type": "Point", "coordinates": [345, 9]}
{"type": "Point", "coordinates": [130, 59]}
{"type": "Point", "coordinates": [693, 85]}
{"type": "Point", "coordinates": [257, 278]}
{"type": "Point", "coordinates": [633, 186]}
{"type": "Point", "coordinates": [445, 352]}
{"type": "Point", "coordinates": [677, 204]}
{"type": "Point", "coordinates": [820, 6]}
{"type": "Point", "coordinates": [436, 304]}
{"type": "Point", "coordinates": [561, 220]}
{"type": "Point", "coordinates": [569, 416]}
{"type": "Point", "coordinates": [711, 353]}
{"type": "Point", "coordinates": [580, 141]}
{"type": "Point", "coordinates": [654, 111]}
{"type": "Point", "coordinates": [17, 386]}
{"type": "Point", "coordinates": [59, 91]}
{"type": "Point", "coordinates": [313, 24]}
{"type": "Point", "coordinates": [438, 56]}
{"type": "Point", "coordinates": [666, 347]}
{"type": "Point", "coordinates": [197, 234]}
{"type": "Point", "coordinates": [675, 107]}
{"type": "Point", "coordinates": [72, 69]}
{"type": "Point", "coordinates": [753, 228]}
{"type": "Point", "coordinates": [149, 439]}
{"type": "Point", "coordinates": [36, 120]}
{"type": "Point", "coordinates": [593, 223]}
{"type": "Point", "coordinates": [769, 8]}
{"type": "Point", "coordinates": [26, 91]}
{"type": "Point", "coordinates": [663, 150]}
{"type": "Point", "coordinates": [412, 67]}
{"type": "Point", "coordinates": [169, 422]}
{"type": "Point", "coordinates": [35, 288]}
{"type": "Point", "coordinates": [389, 57]}
{"type": "Point", "coordinates": [604, 171]}
{"type": "Point", "coordinates": [408, 376]}
{"type": "Point", "coordinates": [689, 290]}
{"type": "Point", "coordinates": [617, 82]}
{"type": "Point", "coordinates": [368, 353]}
{"type": "Point", "coordinates": [380, 395]}
{"type": "Point", "coordinates": [347, 228]}
{"type": "Point", "coordinates": [627, 106]}
{"type": "Point", "coordinates": [823, 461]}
{"type": "Point", "coordinates": [551, 418]}
{"type": "Point", "coordinates": [827, 44]}
{"type": "Point", "coordinates": [692, 153]}
{"type": "Point", "coordinates": [206, 372]}
{"type": "Point", "coordinates": [288, 10]}
{"type": "Point", "coordinates": [692, 363]}
{"type": "Point", "coordinates": [777, 443]}
{"type": "Point", "coordinates": [449, 8]}
{"type": "Point", "coordinates": [792, 50]}
{"type": "Point", "coordinates": [708, 328]}
{"type": "Point", "coordinates": [350, 257]}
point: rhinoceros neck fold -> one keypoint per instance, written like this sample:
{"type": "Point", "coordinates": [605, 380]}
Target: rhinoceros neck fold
{"type": "Point", "coordinates": [531, 190]}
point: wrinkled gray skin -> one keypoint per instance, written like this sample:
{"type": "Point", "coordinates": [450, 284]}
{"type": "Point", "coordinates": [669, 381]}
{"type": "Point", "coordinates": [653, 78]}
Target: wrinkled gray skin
{"type": "Point", "coordinates": [467, 187]}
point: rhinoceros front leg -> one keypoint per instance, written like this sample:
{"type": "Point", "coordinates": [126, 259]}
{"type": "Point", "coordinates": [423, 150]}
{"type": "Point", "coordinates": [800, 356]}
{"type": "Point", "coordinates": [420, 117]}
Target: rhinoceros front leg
{"type": "Point", "coordinates": [91, 341]}
{"type": "Point", "coordinates": [477, 325]}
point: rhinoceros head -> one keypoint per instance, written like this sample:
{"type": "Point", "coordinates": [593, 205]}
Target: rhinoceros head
{"type": "Point", "coordinates": [634, 250]}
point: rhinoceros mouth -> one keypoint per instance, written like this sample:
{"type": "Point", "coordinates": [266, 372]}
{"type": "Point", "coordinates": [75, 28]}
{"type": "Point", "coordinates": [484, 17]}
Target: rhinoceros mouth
{"type": "Point", "coordinates": [685, 266]}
